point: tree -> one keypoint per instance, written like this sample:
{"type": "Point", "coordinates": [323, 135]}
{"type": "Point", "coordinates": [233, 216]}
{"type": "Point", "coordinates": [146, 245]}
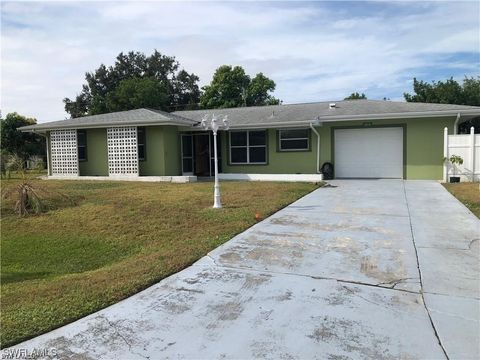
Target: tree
{"type": "Point", "coordinates": [232, 87]}
{"type": "Point", "coordinates": [134, 93]}
{"type": "Point", "coordinates": [356, 96]}
{"type": "Point", "coordinates": [258, 91]}
{"type": "Point", "coordinates": [19, 143]}
{"type": "Point", "coordinates": [134, 74]}
{"type": "Point", "coordinates": [446, 92]}
{"type": "Point", "coordinates": [449, 92]}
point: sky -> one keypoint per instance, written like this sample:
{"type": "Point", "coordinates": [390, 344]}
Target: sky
{"type": "Point", "coordinates": [314, 51]}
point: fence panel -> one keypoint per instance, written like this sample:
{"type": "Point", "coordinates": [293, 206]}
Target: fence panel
{"type": "Point", "coordinates": [468, 148]}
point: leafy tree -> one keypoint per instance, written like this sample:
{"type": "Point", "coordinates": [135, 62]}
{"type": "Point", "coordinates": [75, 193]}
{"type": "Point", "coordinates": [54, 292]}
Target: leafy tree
{"type": "Point", "coordinates": [232, 87]}
{"type": "Point", "coordinates": [356, 96]}
{"type": "Point", "coordinates": [134, 93]}
{"type": "Point", "coordinates": [258, 91]}
{"type": "Point", "coordinates": [19, 143]}
{"type": "Point", "coordinates": [106, 88]}
{"type": "Point", "coordinates": [446, 92]}
{"type": "Point", "coordinates": [449, 92]}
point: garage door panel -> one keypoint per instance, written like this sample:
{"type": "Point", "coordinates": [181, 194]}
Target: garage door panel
{"type": "Point", "coordinates": [369, 153]}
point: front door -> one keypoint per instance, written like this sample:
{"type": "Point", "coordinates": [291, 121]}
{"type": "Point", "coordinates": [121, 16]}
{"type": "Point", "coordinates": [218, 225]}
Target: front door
{"type": "Point", "coordinates": [198, 154]}
{"type": "Point", "coordinates": [202, 155]}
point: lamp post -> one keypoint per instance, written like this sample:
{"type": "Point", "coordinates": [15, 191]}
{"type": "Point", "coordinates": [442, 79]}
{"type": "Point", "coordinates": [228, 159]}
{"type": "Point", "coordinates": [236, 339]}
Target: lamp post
{"type": "Point", "coordinates": [215, 125]}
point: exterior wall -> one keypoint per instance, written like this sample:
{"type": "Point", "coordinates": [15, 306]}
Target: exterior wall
{"type": "Point", "coordinates": [162, 152]}
{"type": "Point", "coordinates": [423, 151]}
{"type": "Point", "coordinates": [172, 152]}
{"type": "Point", "coordinates": [97, 155]}
{"type": "Point", "coordinates": [153, 165]}
{"type": "Point", "coordinates": [278, 162]}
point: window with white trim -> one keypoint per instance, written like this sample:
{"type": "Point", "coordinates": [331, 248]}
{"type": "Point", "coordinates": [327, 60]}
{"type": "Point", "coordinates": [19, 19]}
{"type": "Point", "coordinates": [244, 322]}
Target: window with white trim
{"type": "Point", "coordinates": [248, 147]}
{"type": "Point", "coordinates": [293, 140]}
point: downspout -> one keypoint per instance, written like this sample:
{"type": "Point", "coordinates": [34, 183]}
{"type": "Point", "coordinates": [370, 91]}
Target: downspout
{"type": "Point", "coordinates": [455, 126]}
{"type": "Point", "coordinates": [318, 144]}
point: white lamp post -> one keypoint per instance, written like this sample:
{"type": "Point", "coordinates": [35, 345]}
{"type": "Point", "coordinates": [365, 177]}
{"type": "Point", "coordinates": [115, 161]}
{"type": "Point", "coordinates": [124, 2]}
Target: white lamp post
{"type": "Point", "coordinates": [215, 125]}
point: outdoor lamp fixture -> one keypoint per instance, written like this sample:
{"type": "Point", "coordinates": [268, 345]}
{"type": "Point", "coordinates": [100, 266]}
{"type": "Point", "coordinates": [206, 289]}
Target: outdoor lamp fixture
{"type": "Point", "coordinates": [215, 124]}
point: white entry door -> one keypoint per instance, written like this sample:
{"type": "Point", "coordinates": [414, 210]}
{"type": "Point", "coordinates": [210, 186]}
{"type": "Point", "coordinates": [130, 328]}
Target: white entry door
{"type": "Point", "coordinates": [369, 153]}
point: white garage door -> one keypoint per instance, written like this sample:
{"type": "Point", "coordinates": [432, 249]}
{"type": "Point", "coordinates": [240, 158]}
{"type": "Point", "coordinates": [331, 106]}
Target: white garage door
{"type": "Point", "coordinates": [369, 153]}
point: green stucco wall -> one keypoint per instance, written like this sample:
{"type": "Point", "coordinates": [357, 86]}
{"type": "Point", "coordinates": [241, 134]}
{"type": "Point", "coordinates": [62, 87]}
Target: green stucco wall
{"type": "Point", "coordinates": [162, 153]}
{"type": "Point", "coordinates": [97, 156]}
{"type": "Point", "coordinates": [171, 140]}
{"type": "Point", "coordinates": [423, 151]}
{"type": "Point", "coordinates": [422, 154]}
{"type": "Point", "coordinates": [153, 165]}
{"type": "Point", "coordinates": [278, 162]}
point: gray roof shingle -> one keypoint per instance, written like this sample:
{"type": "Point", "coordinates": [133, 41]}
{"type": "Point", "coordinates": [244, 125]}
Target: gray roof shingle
{"type": "Point", "coordinates": [273, 114]}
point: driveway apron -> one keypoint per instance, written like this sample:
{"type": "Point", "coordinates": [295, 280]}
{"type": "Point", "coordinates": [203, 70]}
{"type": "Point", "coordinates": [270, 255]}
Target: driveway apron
{"type": "Point", "coordinates": [382, 269]}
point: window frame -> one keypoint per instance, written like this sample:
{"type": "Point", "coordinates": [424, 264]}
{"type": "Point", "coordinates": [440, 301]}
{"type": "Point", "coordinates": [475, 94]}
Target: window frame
{"type": "Point", "coordinates": [84, 145]}
{"type": "Point", "coordinates": [279, 140]}
{"type": "Point", "coordinates": [143, 129]}
{"type": "Point", "coordinates": [247, 147]}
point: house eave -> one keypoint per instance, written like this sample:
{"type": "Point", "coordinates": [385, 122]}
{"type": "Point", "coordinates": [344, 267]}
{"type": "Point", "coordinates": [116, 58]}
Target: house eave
{"type": "Point", "coordinates": [266, 125]}
{"type": "Point", "coordinates": [102, 125]}
{"type": "Point", "coordinates": [337, 118]}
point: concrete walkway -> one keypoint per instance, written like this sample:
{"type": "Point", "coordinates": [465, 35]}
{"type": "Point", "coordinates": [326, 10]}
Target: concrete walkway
{"type": "Point", "coordinates": [381, 269]}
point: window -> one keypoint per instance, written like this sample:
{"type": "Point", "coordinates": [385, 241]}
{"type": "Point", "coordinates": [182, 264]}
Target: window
{"type": "Point", "coordinates": [248, 147]}
{"type": "Point", "coordinates": [187, 154]}
{"type": "Point", "coordinates": [293, 140]}
{"type": "Point", "coordinates": [82, 145]}
{"type": "Point", "coordinates": [141, 143]}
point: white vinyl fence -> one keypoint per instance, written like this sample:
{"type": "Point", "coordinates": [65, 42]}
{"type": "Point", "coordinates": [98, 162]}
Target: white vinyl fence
{"type": "Point", "coordinates": [468, 147]}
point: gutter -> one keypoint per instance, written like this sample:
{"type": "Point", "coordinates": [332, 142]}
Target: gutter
{"type": "Point", "coordinates": [318, 144]}
{"type": "Point", "coordinates": [365, 117]}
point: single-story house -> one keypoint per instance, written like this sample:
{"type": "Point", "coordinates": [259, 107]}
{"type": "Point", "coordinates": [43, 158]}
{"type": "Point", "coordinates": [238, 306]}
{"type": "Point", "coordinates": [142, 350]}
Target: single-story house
{"type": "Point", "coordinates": [361, 138]}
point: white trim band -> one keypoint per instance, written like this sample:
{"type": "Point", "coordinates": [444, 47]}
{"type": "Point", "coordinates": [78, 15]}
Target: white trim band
{"type": "Point", "coordinates": [272, 177]}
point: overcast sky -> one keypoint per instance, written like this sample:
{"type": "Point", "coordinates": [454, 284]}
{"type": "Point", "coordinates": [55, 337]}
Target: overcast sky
{"type": "Point", "coordinates": [313, 50]}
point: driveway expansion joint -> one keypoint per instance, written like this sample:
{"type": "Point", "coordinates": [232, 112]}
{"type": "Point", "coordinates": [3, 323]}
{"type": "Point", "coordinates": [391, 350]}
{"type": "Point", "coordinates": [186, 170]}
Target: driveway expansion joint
{"type": "Point", "coordinates": [420, 273]}
{"type": "Point", "coordinates": [345, 281]}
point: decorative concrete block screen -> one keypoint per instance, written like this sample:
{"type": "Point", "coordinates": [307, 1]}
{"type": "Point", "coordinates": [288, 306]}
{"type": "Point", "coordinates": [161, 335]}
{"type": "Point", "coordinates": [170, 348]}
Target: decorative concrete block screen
{"type": "Point", "coordinates": [122, 151]}
{"type": "Point", "coordinates": [468, 147]}
{"type": "Point", "coordinates": [63, 147]}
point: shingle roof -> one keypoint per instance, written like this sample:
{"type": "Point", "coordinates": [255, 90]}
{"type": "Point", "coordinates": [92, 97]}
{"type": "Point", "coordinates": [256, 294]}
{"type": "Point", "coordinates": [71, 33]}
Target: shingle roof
{"type": "Point", "coordinates": [274, 115]}
{"type": "Point", "coordinates": [130, 117]}
{"type": "Point", "coordinates": [345, 109]}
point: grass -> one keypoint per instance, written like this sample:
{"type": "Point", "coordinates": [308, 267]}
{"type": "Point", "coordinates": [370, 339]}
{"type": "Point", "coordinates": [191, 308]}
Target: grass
{"type": "Point", "coordinates": [118, 239]}
{"type": "Point", "coordinates": [468, 194]}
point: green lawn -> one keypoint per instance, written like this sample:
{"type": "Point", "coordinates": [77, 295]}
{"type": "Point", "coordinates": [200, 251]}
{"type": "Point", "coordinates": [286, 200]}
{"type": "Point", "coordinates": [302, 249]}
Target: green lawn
{"type": "Point", "coordinates": [116, 239]}
{"type": "Point", "coordinates": [468, 194]}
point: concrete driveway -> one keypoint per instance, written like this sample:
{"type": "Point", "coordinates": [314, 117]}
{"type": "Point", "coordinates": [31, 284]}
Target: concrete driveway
{"type": "Point", "coordinates": [380, 269]}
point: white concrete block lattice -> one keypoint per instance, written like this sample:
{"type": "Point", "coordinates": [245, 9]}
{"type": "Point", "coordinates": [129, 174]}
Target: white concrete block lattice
{"type": "Point", "coordinates": [64, 156]}
{"type": "Point", "coordinates": [122, 151]}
